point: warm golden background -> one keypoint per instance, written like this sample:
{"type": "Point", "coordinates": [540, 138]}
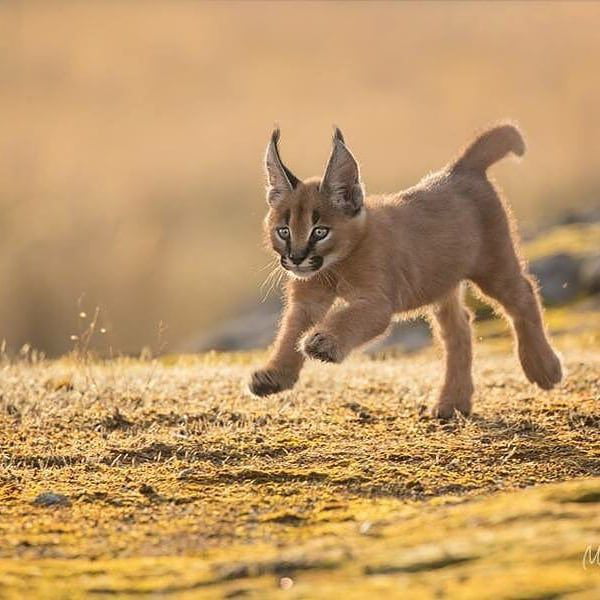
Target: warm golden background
{"type": "Point", "coordinates": [132, 137]}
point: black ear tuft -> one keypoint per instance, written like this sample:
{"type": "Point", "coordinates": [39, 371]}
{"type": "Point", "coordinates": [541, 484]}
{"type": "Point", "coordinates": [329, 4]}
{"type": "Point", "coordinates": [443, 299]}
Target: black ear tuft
{"type": "Point", "coordinates": [279, 178]}
{"type": "Point", "coordinates": [337, 134]}
{"type": "Point", "coordinates": [275, 135]}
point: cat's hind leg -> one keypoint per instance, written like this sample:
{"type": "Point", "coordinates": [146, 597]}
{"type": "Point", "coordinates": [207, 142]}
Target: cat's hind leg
{"type": "Point", "coordinates": [517, 295]}
{"type": "Point", "coordinates": [452, 324]}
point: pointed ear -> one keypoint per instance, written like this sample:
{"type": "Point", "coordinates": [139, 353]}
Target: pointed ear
{"type": "Point", "coordinates": [279, 178]}
{"type": "Point", "coordinates": [341, 181]}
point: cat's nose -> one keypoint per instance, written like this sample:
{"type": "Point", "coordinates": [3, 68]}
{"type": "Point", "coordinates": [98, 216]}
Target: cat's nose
{"type": "Point", "coordinates": [297, 258]}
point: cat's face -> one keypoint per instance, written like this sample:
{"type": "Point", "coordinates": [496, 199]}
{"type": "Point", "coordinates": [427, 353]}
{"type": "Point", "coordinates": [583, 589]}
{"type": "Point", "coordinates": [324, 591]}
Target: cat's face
{"type": "Point", "coordinates": [313, 224]}
{"type": "Point", "coordinates": [308, 233]}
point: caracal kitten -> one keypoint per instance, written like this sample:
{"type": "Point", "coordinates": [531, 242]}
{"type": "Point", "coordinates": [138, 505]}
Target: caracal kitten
{"type": "Point", "coordinates": [355, 261]}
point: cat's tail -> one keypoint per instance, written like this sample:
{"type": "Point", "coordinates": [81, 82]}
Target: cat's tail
{"type": "Point", "coordinates": [490, 147]}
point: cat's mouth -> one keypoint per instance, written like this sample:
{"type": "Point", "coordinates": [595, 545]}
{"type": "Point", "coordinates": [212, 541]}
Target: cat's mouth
{"type": "Point", "coordinates": [306, 269]}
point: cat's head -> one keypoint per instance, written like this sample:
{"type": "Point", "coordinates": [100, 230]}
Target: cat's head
{"type": "Point", "coordinates": [313, 224]}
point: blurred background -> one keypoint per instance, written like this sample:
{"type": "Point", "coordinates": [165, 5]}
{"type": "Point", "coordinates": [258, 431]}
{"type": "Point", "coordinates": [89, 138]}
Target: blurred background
{"type": "Point", "coordinates": [133, 133]}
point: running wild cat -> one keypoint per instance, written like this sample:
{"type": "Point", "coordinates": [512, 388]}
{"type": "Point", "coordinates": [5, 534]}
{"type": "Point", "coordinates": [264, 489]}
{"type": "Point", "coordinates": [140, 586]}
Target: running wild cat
{"type": "Point", "coordinates": [355, 261]}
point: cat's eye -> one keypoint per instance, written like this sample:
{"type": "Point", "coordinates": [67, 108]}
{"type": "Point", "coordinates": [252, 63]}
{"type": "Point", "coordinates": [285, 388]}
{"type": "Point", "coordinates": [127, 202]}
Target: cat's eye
{"type": "Point", "coordinates": [283, 232]}
{"type": "Point", "coordinates": [320, 233]}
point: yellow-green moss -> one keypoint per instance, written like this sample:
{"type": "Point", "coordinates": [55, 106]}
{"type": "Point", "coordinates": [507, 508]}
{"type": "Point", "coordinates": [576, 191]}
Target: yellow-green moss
{"type": "Point", "coordinates": [577, 239]}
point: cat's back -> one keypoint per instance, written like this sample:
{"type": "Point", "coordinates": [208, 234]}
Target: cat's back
{"type": "Point", "coordinates": [440, 200]}
{"type": "Point", "coordinates": [437, 219]}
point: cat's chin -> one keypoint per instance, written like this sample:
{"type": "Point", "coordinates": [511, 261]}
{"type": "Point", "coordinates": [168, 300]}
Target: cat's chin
{"type": "Point", "coordinates": [302, 274]}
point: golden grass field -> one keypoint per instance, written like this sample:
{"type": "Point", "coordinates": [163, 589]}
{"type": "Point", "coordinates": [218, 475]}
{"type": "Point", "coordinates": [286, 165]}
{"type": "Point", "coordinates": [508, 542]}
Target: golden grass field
{"type": "Point", "coordinates": [181, 485]}
{"type": "Point", "coordinates": [133, 135]}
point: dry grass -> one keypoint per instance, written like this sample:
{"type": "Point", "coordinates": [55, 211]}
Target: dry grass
{"type": "Point", "coordinates": [180, 483]}
{"type": "Point", "coordinates": [133, 134]}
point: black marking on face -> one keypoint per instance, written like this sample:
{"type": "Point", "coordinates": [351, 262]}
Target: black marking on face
{"type": "Point", "coordinates": [298, 257]}
{"type": "Point", "coordinates": [315, 217]}
{"type": "Point", "coordinates": [316, 262]}
{"type": "Point", "coordinates": [287, 216]}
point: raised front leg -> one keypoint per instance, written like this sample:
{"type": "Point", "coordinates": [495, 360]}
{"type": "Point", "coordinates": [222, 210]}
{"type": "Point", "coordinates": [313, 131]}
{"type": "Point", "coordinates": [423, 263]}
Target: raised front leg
{"type": "Point", "coordinates": [305, 306]}
{"type": "Point", "coordinates": [454, 329]}
{"type": "Point", "coordinates": [346, 328]}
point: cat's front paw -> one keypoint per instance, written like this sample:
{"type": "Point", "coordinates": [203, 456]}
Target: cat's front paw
{"type": "Point", "coordinates": [322, 346]}
{"type": "Point", "coordinates": [265, 382]}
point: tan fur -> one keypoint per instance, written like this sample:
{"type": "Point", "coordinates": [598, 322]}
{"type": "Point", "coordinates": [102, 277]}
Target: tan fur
{"type": "Point", "coordinates": [399, 253]}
